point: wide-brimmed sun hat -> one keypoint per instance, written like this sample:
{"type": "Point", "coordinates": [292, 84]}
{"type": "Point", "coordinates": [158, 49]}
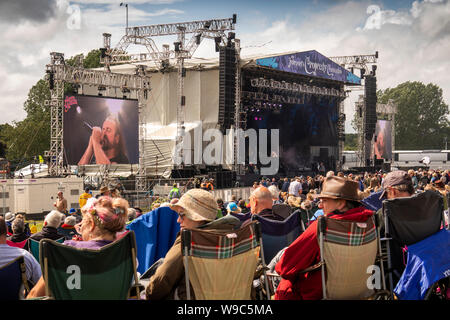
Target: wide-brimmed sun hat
{"type": "Point", "coordinates": [197, 205]}
{"type": "Point", "coordinates": [9, 216]}
{"type": "Point", "coordinates": [335, 187]}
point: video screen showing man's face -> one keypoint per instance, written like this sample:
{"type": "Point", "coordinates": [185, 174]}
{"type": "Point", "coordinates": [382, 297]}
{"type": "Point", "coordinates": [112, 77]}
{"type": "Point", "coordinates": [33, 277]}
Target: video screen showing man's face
{"type": "Point", "coordinates": [99, 130]}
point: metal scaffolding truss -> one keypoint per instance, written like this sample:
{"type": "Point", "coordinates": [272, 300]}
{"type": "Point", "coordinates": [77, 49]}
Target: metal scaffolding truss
{"type": "Point", "coordinates": [142, 35]}
{"type": "Point", "coordinates": [59, 73]}
{"type": "Point", "coordinates": [56, 103]}
{"type": "Point", "coordinates": [189, 27]}
{"type": "Point", "coordinates": [357, 60]}
{"type": "Point", "coordinates": [361, 62]}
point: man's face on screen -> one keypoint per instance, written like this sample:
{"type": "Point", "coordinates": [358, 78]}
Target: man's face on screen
{"type": "Point", "coordinates": [109, 137]}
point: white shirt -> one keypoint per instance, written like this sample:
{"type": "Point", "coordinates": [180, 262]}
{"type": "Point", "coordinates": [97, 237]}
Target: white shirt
{"type": "Point", "coordinates": [33, 268]}
{"type": "Point", "coordinates": [295, 188]}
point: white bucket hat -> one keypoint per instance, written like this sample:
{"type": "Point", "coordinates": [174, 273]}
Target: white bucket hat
{"type": "Point", "coordinates": [9, 216]}
{"type": "Point", "coordinates": [197, 205]}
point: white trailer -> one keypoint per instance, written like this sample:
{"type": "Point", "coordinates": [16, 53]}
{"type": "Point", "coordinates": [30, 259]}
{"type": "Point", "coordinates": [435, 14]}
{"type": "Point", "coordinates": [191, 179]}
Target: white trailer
{"type": "Point", "coordinates": [36, 196]}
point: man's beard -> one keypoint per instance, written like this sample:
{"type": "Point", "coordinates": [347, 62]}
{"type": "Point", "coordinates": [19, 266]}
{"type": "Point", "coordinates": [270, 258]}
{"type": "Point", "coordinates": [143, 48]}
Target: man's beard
{"type": "Point", "coordinates": [106, 144]}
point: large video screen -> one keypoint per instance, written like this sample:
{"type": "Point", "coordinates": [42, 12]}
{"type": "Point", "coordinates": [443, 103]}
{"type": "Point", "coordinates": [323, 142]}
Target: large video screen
{"type": "Point", "coordinates": [383, 140]}
{"type": "Point", "coordinates": [100, 130]}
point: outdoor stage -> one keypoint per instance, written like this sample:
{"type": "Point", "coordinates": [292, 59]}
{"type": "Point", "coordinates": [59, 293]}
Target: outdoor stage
{"type": "Point", "coordinates": [301, 94]}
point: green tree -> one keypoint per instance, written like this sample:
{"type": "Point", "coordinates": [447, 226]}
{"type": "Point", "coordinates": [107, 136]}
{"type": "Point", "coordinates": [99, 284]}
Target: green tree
{"type": "Point", "coordinates": [27, 139]}
{"type": "Point", "coordinates": [30, 137]}
{"type": "Point", "coordinates": [421, 119]}
{"type": "Point", "coordinates": [351, 142]}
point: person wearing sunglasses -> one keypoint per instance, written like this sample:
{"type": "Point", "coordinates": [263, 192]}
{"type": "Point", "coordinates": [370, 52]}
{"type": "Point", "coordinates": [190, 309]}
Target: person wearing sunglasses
{"type": "Point", "coordinates": [102, 219]}
{"type": "Point", "coordinates": [197, 208]}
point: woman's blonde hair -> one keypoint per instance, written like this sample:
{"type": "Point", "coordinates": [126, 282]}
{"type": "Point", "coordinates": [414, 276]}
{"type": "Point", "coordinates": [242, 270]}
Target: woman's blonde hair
{"type": "Point", "coordinates": [109, 214]}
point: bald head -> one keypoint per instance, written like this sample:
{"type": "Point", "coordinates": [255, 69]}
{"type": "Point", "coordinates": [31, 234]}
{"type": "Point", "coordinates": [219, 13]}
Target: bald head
{"type": "Point", "coordinates": [262, 193]}
{"type": "Point", "coordinates": [260, 199]}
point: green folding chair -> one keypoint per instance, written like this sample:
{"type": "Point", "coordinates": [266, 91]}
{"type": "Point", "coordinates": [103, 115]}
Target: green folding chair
{"type": "Point", "coordinates": [33, 247]}
{"type": "Point", "coordinates": [84, 274]}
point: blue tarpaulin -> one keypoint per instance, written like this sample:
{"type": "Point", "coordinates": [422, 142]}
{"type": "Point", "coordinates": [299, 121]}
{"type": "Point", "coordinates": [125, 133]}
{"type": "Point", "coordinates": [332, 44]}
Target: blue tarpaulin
{"type": "Point", "coordinates": [155, 234]}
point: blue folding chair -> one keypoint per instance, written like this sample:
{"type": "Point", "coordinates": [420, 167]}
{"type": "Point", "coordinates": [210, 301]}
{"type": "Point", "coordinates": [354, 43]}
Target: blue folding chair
{"type": "Point", "coordinates": [277, 235]}
{"type": "Point", "coordinates": [12, 278]}
{"type": "Point", "coordinates": [155, 232]}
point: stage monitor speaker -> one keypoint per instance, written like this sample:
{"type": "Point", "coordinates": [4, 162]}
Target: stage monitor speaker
{"type": "Point", "coordinates": [227, 86]}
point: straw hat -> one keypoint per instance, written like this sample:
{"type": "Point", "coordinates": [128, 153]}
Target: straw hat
{"type": "Point", "coordinates": [197, 205]}
{"type": "Point", "coordinates": [340, 188]}
{"type": "Point", "coordinates": [104, 189]}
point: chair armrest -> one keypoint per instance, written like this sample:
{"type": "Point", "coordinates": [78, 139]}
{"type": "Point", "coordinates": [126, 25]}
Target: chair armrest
{"type": "Point", "coordinates": [315, 267]}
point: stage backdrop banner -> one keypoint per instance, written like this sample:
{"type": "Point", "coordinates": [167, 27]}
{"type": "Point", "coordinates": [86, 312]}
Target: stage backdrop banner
{"type": "Point", "coordinates": [382, 144]}
{"type": "Point", "coordinates": [118, 120]}
{"type": "Point", "coordinates": [310, 63]}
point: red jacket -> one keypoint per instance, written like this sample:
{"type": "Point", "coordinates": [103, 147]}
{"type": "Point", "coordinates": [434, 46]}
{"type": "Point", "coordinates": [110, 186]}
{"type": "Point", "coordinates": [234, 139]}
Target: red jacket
{"type": "Point", "coordinates": [303, 253]}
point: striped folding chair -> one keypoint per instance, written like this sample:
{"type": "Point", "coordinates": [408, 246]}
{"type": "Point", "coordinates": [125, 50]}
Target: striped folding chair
{"type": "Point", "coordinates": [207, 253]}
{"type": "Point", "coordinates": [347, 250]}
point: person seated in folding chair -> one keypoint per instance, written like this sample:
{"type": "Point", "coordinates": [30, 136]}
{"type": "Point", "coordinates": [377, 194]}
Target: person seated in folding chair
{"type": "Point", "coordinates": [8, 254]}
{"type": "Point", "coordinates": [19, 235]}
{"type": "Point", "coordinates": [103, 218]}
{"type": "Point", "coordinates": [261, 203]}
{"type": "Point", "coordinates": [52, 221]}
{"type": "Point", "coordinates": [396, 184]}
{"type": "Point", "coordinates": [197, 208]}
{"type": "Point", "coordinates": [340, 200]}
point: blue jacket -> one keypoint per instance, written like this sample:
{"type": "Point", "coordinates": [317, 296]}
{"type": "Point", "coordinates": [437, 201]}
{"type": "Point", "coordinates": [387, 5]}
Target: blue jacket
{"type": "Point", "coordinates": [428, 262]}
{"type": "Point", "coordinates": [155, 234]}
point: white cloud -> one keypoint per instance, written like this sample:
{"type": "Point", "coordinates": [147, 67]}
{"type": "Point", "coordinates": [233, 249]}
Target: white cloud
{"type": "Point", "coordinates": [413, 43]}
{"type": "Point", "coordinates": [117, 2]}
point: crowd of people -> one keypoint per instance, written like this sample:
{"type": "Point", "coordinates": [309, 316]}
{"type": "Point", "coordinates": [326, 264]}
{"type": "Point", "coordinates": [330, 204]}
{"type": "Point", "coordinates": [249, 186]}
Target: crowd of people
{"type": "Point", "coordinates": [104, 217]}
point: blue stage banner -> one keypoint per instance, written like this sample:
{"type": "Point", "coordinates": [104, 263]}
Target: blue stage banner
{"type": "Point", "coordinates": [310, 63]}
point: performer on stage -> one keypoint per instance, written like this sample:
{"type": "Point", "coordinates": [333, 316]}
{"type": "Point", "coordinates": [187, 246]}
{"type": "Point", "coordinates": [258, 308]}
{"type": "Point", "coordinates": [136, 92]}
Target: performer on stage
{"type": "Point", "coordinates": [106, 144]}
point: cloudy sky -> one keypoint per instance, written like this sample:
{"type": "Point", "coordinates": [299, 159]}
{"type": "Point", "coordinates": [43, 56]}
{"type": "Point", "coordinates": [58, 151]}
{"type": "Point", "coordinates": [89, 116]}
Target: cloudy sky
{"type": "Point", "coordinates": [412, 37]}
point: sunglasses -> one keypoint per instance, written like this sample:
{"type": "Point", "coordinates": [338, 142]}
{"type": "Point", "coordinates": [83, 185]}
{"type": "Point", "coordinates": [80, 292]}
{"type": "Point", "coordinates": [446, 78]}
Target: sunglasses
{"type": "Point", "coordinates": [181, 215]}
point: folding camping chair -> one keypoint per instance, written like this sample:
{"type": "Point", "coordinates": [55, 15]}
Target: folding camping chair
{"type": "Point", "coordinates": [13, 280]}
{"type": "Point", "coordinates": [105, 274]}
{"type": "Point", "coordinates": [277, 235]}
{"type": "Point", "coordinates": [427, 272]}
{"type": "Point", "coordinates": [347, 251]}
{"type": "Point", "coordinates": [33, 247]}
{"type": "Point", "coordinates": [282, 209]}
{"type": "Point", "coordinates": [407, 221]}
{"type": "Point", "coordinates": [206, 254]}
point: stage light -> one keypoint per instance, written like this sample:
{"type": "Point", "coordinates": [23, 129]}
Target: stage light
{"type": "Point", "coordinates": [207, 24]}
{"type": "Point", "coordinates": [234, 18]}
{"type": "Point", "coordinates": [177, 46]}
{"type": "Point", "coordinates": [198, 39]}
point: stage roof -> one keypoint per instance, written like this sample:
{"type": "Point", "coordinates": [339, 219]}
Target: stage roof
{"type": "Point", "coordinates": [309, 63]}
